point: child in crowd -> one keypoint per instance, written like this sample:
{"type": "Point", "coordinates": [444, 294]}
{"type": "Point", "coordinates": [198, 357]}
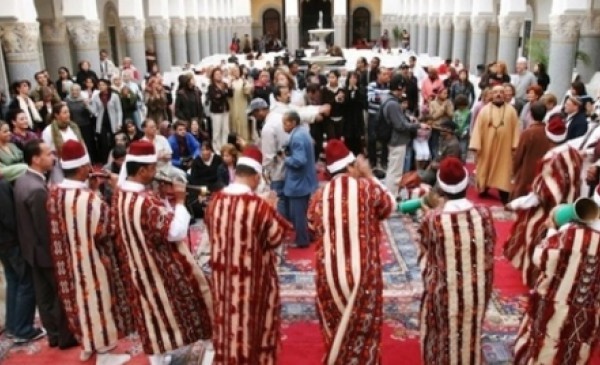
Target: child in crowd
{"type": "Point", "coordinates": [421, 145]}
{"type": "Point", "coordinates": [462, 118]}
{"type": "Point", "coordinates": [226, 172]}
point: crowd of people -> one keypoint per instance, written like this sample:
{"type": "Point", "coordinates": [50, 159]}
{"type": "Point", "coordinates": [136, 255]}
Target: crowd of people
{"type": "Point", "coordinates": [96, 211]}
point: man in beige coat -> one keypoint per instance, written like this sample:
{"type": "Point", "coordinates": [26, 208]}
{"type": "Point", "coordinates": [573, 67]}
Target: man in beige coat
{"type": "Point", "coordinates": [495, 137]}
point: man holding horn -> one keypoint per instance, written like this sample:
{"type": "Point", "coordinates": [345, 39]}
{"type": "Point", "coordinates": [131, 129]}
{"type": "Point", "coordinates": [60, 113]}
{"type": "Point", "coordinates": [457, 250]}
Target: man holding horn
{"type": "Point", "coordinates": [345, 216]}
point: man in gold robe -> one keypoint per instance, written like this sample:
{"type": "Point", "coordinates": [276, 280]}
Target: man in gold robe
{"type": "Point", "coordinates": [494, 138]}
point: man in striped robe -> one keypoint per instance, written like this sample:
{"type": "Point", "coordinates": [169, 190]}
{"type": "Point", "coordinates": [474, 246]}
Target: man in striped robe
{"type": "Point", "coordinates": [561, 323]}
{"type": "Point", "coordinates": [345, 216]}
{"type": "Point", "coordinates": [557, 182]}
{"type": "Point", "coordinates": [456, 258]}
{"type": "Point", "coordinates": [167, 291]}
{"type": "Point", "coordinates": [244, 231]}
{"type": "Point", "coordinates": [84, 259]}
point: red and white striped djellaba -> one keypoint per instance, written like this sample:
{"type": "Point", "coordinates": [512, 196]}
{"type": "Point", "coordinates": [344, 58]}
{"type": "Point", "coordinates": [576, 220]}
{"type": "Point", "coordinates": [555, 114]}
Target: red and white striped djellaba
{"type": "Point", "coordinates": [244, 232]}
{"type": "Point", "coordinates": [345, 216]}
{"type": "Point", "coordinates": [456, 257]}
{"type": "Point", "coordinates": [86, 271]}
{"type": "Point", "coordinates": [557, 182]}
{"type": "Point", "coordinates": [168, 293]}
{"type": "Point", "coordinates": [561, 323]}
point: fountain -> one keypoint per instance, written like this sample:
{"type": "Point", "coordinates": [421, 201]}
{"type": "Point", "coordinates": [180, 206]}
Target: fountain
{"type": "Point", "coordinates": [319, 55]}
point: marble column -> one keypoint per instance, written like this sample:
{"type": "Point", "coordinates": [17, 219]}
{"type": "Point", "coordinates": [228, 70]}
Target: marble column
{"type": "Point", "coordinates": [215, 43]}
{"type": "Point", "coordinates": [55, 44]}
{"type": "Point", "coordinates": [493, 39]}
{"type": "Point", "coordinates": [162, 43]}
{"type": "Point", "coordinates": [461, 37]}
{"type": "Point", "coordinates": [445, 22]}
{"type": "Point", "coordinates": [414, 33]}
{"type": "Point", "coordinates": [432, 35]}
{"type": "Point", "coordinates": [479, 33]}
{"type": "Point", "coordinates": [193, 40]}
{"type": "Point", "coordinates": [339, 34]}
{"type": "Point", "coordinates": [508, 44]}
{"type": "Point", "coordinates": [589, 43]}
{"type": "Point", "coordinates": [224, 40]}
{"type": "Point", "coordinates": [293, 36]}
{"type": "Point", "coordinates": [133, 30]}
{"type": "Point", "coordinates": [84, 34]}
{"type": "Point", "coordinates": [178, 41]}
{"type": "Point", "coordinates": [20, 44]}
{"type": "Point", "coordinates": [389, 21]}
{"type": "Point", "coordinates": [422, 44]}
{"type": "Point", "coordinates": [204, 29]}
{"type": "Point", "coordinates": [564, 31]}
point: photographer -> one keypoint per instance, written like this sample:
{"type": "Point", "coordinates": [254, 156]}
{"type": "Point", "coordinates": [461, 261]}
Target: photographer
{"type": "Point", "coordinates": [185, 147]}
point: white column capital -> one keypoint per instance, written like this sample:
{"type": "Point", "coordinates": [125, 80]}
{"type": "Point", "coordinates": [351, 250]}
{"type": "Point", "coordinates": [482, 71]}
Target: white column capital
{"type": "Point", "coordinates": [591, 26]}
{"type": "Point", "coordinates": [461, 22]}
{"type": "Point", "coordinates": [204, 23]}
{"type": "Point", "coordinates": [292, 20]}
{"type": "Point", "coordinates": [433, 21]}
{"type": "Point", "coordinates": [20, 40]}
{"type": "Point", "coordinates": [510, 25]}
{"type": "Point", "coordinates": [481, 23]}
{"type": "Point", "coordinates": [160, 26]}
{"type": "Point", "coordinates": [178, 26]}
{"type": "Point", "coordinates": [133, 29]}
{"type": "Point", "coordinates": [341, 19]}
{"type": "Point", "coordinates": [565, 28]}
{"type": "Point", "coordinates": [53, 31]}
{"type": "Point", "coordinates": [389, 18]}
{"type": "Point", "coordinates": [192, 25]}
{"type": "Point", "coordinates": [84, 33]}
{"type": "Point", "coordinates": [445, 21]}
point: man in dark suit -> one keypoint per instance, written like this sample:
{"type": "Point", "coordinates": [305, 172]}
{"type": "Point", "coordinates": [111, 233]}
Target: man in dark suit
{"type": "Point", "coordinates": [576, 119]}
{"type": "Point", "coordinates": [30, 194]}
{"type": "Point", "coordinates": [300, 175]}
{"type": "Point", "coordinates": [298, 76]}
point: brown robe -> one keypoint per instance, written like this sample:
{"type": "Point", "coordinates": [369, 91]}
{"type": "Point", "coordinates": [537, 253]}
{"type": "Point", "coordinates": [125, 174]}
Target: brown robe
{"type": "Point", "coordinates": [533, 145]}
{"type": "Point", "coordinates": [495, 136]}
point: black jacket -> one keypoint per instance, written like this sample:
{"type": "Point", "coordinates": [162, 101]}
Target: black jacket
{"type": "Point", "coordinates": [8, 222]}
{"type": "Point", "coordinates": [218, 99]}
{"type": "Point", "coordinates": [206, 175]}
{"type": "Point", "coordinates": [188, 104]}
{"type": "Point", "coordinates": [577, 126]}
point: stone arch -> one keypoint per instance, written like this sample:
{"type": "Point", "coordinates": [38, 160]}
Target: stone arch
{"type": "Point", "coordinates": [373, 7]}
{"type": "Point", "coordinates": [110, 34]}
{"type": "Point", "coordinates": [361, 24]}
{"type": "Point", "coordinates": [271, 22]}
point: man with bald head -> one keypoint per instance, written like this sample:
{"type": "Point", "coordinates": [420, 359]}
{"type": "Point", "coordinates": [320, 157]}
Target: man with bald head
{"type": "Point", "coordinates": [495, 137]}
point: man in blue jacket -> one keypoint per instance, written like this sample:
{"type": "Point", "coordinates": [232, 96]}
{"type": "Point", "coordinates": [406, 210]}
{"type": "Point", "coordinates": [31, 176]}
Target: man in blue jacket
{"type": "Point", "coordinates": [185, 147]}
{"type": "Point", "coordinates": [300, 175]}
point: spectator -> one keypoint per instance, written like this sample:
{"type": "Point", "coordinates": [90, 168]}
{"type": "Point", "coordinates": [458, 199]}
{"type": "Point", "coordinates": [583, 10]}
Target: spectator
{"type": "Point", "coordinates": [543, 79]}
{"type": "Point", "coordinates": [79, 108]}
{"type": "Point", "coordinates": [184, 146]}
{"type": "Point", "coordinates": [524, 80]}
{"type": "Point", "coordinates": [226, 171]}
{"type": "Point", "coordinates": [131, 131]}
{"type": "Point", "coordinates": [21, 133]}
{"type": "Point", "coordinates": [188, 103]}
{"type": "Point", "coordinates": [23, 102]}
{"type": "Point", "coordinates": [205, 169]}
{"type": "Point", "coordinates": [218, 92]}
{"type": "Point", "coordinates": [157, 102]}
{"type": "Point", "coordinates": [84, 73]}
{"type": "Point", "coordinates": [129, 104]}
{"type": "Point", "coordinates": [161, 146]}
{"type": "Point", "coordinates": [241, 91]}
{"type": "Point", "coordinates": [128, 66]}
{"type": "Point", "coordinates": [576, 120]}
{"type": "Point", "coordinates": [107, 67]}
{"type": "Point", "coordinates": [10, 154]}
{"type": "Point", "coordinates": [534, 93]}
{"type": "Point", "coordinates": [106, 106]}
{"type": "Point", "coordinates": [64, 82]}
{"type": "Point", "coordinates": [463, 87]}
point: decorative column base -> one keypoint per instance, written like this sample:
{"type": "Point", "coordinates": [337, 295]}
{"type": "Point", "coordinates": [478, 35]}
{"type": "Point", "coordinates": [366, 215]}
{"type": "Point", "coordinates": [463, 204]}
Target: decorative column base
{"type": "Point", "coordinates": [84, 34]}
{"type": "Point", "coordinates": [162, 43]}
{"type": "Point", "coordinates": [508, 43]}
{"type": "Point", "coordinates": [20, 43]}
{"type": "Point", "coordinates": [293, 36]}
{"type": "Point", "coordinates": [339, 25]}
{"type": "Point", "coordinates": [432, 35]}
{"type": "Point", "coordinates": [133, 30]}
{"type": "Point", "coordinates": [56, 45]}
{"type": "Point", "coordinates": [564, 31]}
{"type": "Point", "coordinates": [193, 40]}
{"type": "Point", "coordinates": [204, 37]}
{"type": "Point", "coordinates": [461, 35]}
{"type": "Point", "coordinates": [445, 49]}
{"type": "Point", "coordinates": [178, 40]}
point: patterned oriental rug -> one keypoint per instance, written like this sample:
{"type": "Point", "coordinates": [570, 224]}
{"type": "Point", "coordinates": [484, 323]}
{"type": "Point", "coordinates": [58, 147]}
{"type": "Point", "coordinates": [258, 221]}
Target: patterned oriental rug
{"type": "Point", "coordinates": [301, 338]}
